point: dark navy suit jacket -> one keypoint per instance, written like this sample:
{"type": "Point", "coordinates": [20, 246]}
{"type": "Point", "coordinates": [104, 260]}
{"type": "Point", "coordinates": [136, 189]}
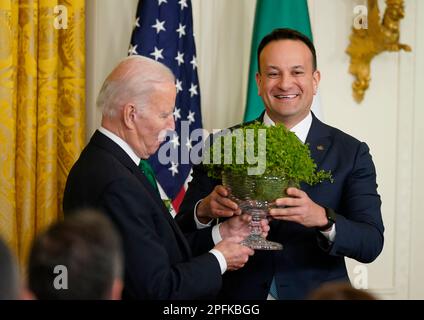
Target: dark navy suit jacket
{"type": "Point", "coordinates": [308, 258]}
{"type": "Point", "coordinates": [159, 262]}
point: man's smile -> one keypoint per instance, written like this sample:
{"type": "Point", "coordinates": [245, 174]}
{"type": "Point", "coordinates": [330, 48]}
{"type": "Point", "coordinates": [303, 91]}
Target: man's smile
{"type": "Point", "coordinates": [286, 96]}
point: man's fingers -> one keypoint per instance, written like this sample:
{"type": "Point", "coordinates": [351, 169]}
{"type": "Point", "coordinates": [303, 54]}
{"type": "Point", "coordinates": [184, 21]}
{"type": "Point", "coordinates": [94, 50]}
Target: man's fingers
{"type": "Point", "coordinates": [223, 213]}
{"type": "Point", "coordinates": [287, 202]}
{"type": "Point", "coordinates": [225, 202]}
{"type": "Point", "coordinates": [224, 207]}
{"type": "Point", "coordinates": [264, 222]}
{"type": "Point", "coordinates": [280, 212]}
{"type": "Point", "coordinates": [295, 192]}
{"type": "Point", "coordinates": [264, 225]}
{"type": "Point", "coordinates": [246, 217]}
{"type": "Point", "coordinates": [248, 251]}
{"type": "Point", "coordinates": [222, 191]}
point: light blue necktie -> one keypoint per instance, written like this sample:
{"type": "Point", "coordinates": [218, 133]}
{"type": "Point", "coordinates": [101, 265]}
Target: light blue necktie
{"type": "Point", "coordinates": [273, 289]}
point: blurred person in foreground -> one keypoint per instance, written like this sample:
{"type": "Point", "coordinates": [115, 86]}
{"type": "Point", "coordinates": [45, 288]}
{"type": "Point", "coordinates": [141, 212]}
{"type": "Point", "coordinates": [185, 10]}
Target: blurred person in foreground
{"type": "Point", "coordinates": [340, 291]}
{"type": "Point", "coordinates": [78, 258]}
{"type": "Point", "coordinates": [9, 275]}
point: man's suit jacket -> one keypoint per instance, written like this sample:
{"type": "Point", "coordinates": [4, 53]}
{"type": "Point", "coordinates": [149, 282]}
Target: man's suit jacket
{"type": "Point", "coordinates": [308, 259]}
{"type": "Point", "coordinates": [158, 259]}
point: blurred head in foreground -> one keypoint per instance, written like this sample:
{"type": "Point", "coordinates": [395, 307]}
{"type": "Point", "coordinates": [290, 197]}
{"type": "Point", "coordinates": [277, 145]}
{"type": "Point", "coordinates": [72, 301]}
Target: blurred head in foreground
{"type": "Point", "coordinates": [78, 258]}
{"type": "Point", "coordinates": [340, 291]}
{"type": "Point", "coordinates": [9, 279]}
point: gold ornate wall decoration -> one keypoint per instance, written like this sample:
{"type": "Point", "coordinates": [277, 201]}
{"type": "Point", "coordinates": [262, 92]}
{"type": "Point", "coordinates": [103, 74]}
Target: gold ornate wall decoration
{"type": "Point", "coordinates": [378, 36]}
{"type": "Point", "coordinates": [42, 112]}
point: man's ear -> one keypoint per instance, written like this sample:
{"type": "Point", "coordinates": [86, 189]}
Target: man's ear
{"type": "Point", "coordinates": [129, 114]}
{"type": "Point", "coordinates": [316, 78]}
{"type": "Point", "coordinates": [258, 82]}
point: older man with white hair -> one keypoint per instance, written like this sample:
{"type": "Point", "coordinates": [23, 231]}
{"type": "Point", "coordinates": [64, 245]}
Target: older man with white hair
{"type": "Point", "coordinates": [137, 100]}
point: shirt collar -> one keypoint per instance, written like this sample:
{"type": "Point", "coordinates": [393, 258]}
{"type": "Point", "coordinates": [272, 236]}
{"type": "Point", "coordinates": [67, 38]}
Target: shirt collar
{"type": "Point", "coordinates": [125, 146]}
{"type": "Point", "coordinates": [300, 130]}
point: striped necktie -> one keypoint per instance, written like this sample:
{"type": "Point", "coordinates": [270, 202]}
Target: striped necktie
{"type": "Point", "coordinates": [147, 170]}
{"type": "Point", "coordinates": [148, 173]}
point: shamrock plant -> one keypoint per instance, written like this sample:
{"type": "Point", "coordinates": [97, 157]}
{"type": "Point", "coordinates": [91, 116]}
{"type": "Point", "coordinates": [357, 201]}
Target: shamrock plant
{"type": "Point", "coordinates": [255, 149]}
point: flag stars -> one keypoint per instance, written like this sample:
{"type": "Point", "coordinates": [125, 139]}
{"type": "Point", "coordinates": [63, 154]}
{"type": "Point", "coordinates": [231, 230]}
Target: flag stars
{"type": "Point", "coordinates": [132, 50]}
{"type": "Point", "coordinates": [193, 90]}
{"type": "Point", "coordinates": [179, 86]}
{"type": "Point", "coordinates": [190, 117]}
{"type": "Point", "coordinates": [174, 141]}
{"type": "Point", "coordinates": [194, 62]}
{"type": "Point", "coordinates": [159, 26]}
{"type": "Point", "coordinates": [177, 114]}
{"type": "Point", "coordinates": [181, 30]}
{"type": "Point", "coordinates": [183, 4]}
{"type": "Point", "coordinates": [154, 30]}
{"type": "Point", "coordinates": [137, 23]}
{"type": "Point", "coordinates": [157, 54]}
{"type": "Point", "coordinates": [180, 58]}
{"type": "Point", "coordinates": [174, 168]}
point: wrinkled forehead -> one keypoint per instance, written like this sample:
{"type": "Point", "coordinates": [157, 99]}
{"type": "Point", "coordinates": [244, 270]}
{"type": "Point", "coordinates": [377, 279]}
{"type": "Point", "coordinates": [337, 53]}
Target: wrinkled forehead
{"type": "Point", "coordinates": [161, 96]}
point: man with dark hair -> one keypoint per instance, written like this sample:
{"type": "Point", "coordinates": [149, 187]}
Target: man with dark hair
{"type": "Point", "coordinates": [9, 279]}
{"type": "Point", "coordinates": [287, 34]}
{"type": "Point", "coordinates": [318, 225]}
{"type": "Point", "coordinates": [78, 258]}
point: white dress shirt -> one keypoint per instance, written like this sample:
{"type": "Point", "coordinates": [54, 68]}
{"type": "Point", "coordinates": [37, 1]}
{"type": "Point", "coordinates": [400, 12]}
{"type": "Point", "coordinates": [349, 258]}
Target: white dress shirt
{"type": "Point", "coordinates": [125, 146]}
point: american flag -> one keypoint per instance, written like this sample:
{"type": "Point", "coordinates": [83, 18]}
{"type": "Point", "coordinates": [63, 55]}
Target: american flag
{"type": "Point", "coordinates": [164, 31]}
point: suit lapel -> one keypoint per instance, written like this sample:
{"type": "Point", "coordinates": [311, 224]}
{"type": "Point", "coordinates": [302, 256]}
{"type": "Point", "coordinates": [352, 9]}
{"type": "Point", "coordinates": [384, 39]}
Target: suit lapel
{"type": "Point", "coordinates": [161, 207]}
{"type": "Point", "coordinates": [319, 140]}
{"type": "Point", "coordinates": [105, 143]}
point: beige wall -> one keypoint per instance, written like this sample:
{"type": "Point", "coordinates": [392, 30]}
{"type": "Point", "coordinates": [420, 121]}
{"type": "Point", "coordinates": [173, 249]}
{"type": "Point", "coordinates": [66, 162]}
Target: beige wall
{"type": "Point", "coordinates": [389, 119]}
{"type": "Point", "coordinates": [414, 187]}
{"type": "Point", "coordinates": [109, 26]}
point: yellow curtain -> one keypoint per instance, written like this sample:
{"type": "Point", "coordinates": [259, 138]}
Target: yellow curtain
{"type": "Point", "coordinates": [42, 120]}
